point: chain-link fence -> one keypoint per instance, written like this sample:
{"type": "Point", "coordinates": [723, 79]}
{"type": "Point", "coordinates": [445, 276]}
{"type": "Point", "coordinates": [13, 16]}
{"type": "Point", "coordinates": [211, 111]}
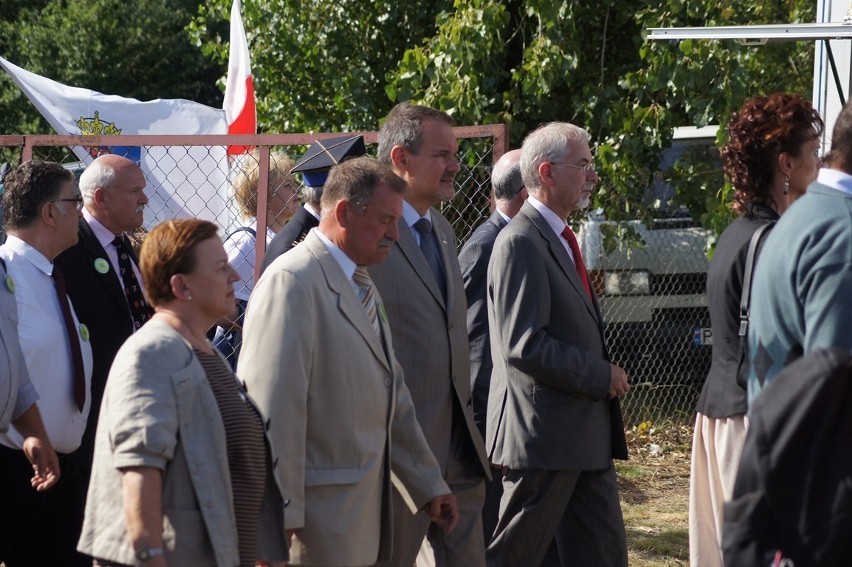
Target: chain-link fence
{"type": "Point", "coordinates": [652, 298]}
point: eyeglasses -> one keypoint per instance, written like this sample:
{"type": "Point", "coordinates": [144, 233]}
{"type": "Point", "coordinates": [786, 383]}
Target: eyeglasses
{"type": "Point", "coordinates": [586, 167]}
{"type": "Point", "coordinates": [78, 200]}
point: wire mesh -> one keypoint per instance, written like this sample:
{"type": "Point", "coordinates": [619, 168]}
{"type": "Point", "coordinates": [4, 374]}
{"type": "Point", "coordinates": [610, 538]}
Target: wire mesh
{"type": "Point", "coordinates": [652, 298]}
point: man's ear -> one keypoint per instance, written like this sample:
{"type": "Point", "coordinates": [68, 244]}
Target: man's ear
{"type": "Point", "coordinates": [398, 157]}
{"type": "Point", "coordinates": [342, 212]}
{"type": "Point", "coordinates": [545, 172]}
{"type": "Point", "coordinates": [99, 196]}
{"type": "Point", "coordinates": [48, 213]}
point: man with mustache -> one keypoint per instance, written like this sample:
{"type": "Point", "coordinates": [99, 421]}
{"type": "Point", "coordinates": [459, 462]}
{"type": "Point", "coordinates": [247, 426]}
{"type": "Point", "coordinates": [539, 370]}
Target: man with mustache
{"type": "Point", "coordinates": [318, 359]}
{"type": "Point", "coordinates": [554, 420]}
{"type": "Point", "coordinates": [102, 274]}
{"type": "Point", "coordinates": [422, 287]}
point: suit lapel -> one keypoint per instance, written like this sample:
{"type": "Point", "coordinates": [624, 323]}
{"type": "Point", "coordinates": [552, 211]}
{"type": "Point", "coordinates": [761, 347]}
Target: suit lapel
{"type": "Point", "coordinates": [347, 302]}
{"type": "Point", "coordinates": [408, 245]}
{"type": "Point", "coordinates": [557, 250]}
{"type": "Point", "coordinates": [95, 251]}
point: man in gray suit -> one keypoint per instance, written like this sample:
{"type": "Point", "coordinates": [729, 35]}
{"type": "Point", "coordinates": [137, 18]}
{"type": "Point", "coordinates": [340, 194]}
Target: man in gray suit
{"type": "Point", "coordinates": [422, 289]}
{"type": "Point", "coordinates": [509, 194]}
{"type": "Point", "coordinates": [554, 420]}
{"type": "Point", "coordinates": [340, 419]}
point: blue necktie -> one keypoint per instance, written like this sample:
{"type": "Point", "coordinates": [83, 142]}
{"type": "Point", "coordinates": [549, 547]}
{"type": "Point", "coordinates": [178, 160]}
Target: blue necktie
{"type": "Point", "coordinates": [429, 247]}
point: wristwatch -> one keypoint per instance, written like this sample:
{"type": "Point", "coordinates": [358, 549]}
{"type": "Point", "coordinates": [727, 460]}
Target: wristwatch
{"type": "Point", "coordinates": [146, 553]}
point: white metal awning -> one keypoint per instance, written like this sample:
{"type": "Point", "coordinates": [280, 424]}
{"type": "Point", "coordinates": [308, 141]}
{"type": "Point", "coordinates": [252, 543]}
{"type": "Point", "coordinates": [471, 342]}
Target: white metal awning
{"type": "Point", "coordinates": [759, 34]}
{"type": "Point", "coordinates": [762, 34]}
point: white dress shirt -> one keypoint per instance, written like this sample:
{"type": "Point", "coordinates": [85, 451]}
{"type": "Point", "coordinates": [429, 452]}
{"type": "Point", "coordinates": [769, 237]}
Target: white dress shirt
{"type": "Point", "coordinates": [556, 223]}
{"type": "Point", "coordinates": [411, 216]}
{"type": "Point", "coordinates": [345, 262]}
{"type": "Point", "coordinates": [835, 179]}
{"type": "Point", "coordinates": [105, 237]}
{"type": "Point", "coordinates": [241, 248]}
{"type": "Point", "coordinates": [44, 342]}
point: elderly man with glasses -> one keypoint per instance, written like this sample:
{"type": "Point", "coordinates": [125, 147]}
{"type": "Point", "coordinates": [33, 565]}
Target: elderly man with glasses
{"type": "Point", "coordinates": [554, 420]}
{"type": "Point", "coordinates": [42, 209]}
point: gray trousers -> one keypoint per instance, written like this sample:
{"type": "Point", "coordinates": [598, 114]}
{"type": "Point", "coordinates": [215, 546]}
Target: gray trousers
{"type": "Point", "coordinates": [580, 510]}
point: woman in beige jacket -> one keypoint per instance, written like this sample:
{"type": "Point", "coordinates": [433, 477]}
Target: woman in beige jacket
{"type": "Point", "coordinates": [182, 472]}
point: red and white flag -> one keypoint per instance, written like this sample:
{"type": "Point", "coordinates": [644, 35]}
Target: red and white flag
{"type": "Point", "coordinates": [239, 90]}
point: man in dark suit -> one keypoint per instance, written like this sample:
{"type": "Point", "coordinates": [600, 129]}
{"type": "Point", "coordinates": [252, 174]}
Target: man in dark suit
{"type": "Point", "coordinates": [554, 420]}
{"type": "Point", "coordinates": [509, 194]}
{"type": "Point", "coordinates": [423, 293]}
{"type": "Point", "coordinates": [102, 274]}
{"type": "Point", "coordinates": [314, 167]}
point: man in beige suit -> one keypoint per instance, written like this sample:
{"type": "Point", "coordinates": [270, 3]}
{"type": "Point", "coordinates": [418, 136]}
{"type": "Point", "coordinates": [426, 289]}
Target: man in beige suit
{"type": "Point", "coordinates": [422, 287]}
{"type": "Point", "coordinates": [318, 359]}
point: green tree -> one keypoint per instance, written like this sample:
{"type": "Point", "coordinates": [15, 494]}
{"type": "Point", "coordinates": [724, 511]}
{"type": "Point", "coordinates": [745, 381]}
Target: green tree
{"type": "Point", "coordinates": [321, 65]}
{"type": "Point", "coordinates": [136, 49]}
{"type": "Point", "coordinates": [530, 62]}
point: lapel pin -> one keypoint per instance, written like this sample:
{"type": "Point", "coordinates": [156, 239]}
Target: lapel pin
{"type": "Point", "coordinates": [10, 283]}
{"type": "Point", "coordinates": [84, 332]}
{"type": "Point", "coordinates": [382, 313]}
{"type": "Point", "coordinates": [101, 266]}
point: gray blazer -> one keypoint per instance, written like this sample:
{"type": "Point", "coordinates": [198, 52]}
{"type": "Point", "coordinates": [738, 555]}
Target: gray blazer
{"type": "Point", "coordinates": [159, 411]}
{"type": "Point", "coordinates": [548, 407]}
{"type": "Point", "coordinates": [430, 336]}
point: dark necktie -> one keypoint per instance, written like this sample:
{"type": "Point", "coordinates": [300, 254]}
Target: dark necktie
{"type": "Point", "coordinates": [135, 299]}
{"type": "Point", "coordinates": [429, 247]}
{"type": "Point", "coordinates": [367, 296]}
{"type": "Point", "coordinates": [568, 235]}
{"type": "Point", "coordinates": [73, 338]}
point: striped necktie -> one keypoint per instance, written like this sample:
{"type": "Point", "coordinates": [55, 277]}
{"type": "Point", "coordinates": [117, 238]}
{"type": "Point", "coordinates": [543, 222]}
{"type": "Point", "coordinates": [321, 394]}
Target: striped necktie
{"type": "Point", "coordinates": [367, 295]}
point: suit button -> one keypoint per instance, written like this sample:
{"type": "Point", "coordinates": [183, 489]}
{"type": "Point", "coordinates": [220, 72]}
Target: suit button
{"type": "Point", "coordinates": [387, 382]}
{"type": "Point", "coordinates": [455, 377]}
{"type": "Point", "coordinates": [450, 326]}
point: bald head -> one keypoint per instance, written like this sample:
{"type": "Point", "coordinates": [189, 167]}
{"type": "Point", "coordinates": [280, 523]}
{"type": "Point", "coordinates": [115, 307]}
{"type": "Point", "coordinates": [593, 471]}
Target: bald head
{"type": "Point", "coordinates": [113, 191]}
{"type": "Point", "coordinates": [508, 184]}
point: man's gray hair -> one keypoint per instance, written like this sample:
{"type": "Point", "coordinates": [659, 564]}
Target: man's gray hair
{"type": "Point", "coordinates": [98, 174]}
{"type": "Point", "coordinates": [547, 143]}
{"type": "Point", "coordinates": [506, 180]}
{"type": "Point", "coordinates": [312, 195]}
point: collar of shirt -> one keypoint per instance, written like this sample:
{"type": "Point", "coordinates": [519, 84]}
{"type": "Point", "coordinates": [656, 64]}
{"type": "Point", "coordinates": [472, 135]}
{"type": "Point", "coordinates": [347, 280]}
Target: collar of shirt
{"type": "Point", "coordinates": [29, 253]}
{"type": "Point", "coordinates": [835, 179]}
{"type": "Point", "coordinates": [253, 225]}
{"type": "Point", "coordinates": [506, 217]}
{"type": "Point", "coordinates": [314, 213]}
{"type": "Point", "coordinates": [411, 216]}
{"type": "Point", "coordinates": [553, 220]}
{"type": "Point", "coordinates": [104, 235]}
{"type": "Point", "coordinates": [345, 262]}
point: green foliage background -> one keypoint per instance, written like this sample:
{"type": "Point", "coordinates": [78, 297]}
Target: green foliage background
{"type": "Point", "coordinates": [335, 66]}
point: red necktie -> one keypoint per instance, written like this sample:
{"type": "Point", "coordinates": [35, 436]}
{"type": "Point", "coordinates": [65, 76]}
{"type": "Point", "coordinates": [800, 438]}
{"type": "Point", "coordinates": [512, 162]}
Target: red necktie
{"type": "Point", "coordinates": [568, 235]}
{"type": "Point", "coordinates": [73, 338]}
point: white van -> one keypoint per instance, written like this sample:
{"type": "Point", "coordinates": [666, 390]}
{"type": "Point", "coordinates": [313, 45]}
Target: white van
{"type": "Point", "coordinates": [653, 297]}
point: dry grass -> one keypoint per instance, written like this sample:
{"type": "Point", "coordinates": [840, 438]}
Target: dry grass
{"type": "Point", "coordinates": [654, 487]}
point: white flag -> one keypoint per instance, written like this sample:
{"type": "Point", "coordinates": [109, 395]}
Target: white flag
{"type": "Point", "coordinates": [182, 182]}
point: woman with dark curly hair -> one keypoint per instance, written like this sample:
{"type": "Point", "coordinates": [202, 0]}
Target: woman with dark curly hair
{"type": "Point", "coordinates": [770, 158]}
